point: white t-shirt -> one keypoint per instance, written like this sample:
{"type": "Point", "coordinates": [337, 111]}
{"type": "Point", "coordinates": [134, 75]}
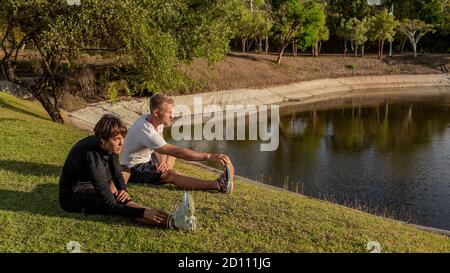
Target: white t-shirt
{"type": "Point", "coordinates": [141, 140]}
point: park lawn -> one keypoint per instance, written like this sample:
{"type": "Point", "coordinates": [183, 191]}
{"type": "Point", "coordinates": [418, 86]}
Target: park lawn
{"type": "Point", "coordinates": [253, 219]}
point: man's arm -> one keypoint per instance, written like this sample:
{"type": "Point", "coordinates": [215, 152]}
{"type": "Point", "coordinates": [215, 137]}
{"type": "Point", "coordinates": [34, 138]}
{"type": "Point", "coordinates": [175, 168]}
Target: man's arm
{"type": "Point", "coordinates": [161, 158]}
{"type": "Point", "coordinates": [187, 154]}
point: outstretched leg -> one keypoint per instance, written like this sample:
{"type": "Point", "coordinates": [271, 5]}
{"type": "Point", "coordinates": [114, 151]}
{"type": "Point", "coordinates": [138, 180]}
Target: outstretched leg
{"type": "Point", "coordinates": [185, 182]}
{"type": "Point", "coordinates": [183, 218]}
{"type": "Point", "coordinates": [147, 173]}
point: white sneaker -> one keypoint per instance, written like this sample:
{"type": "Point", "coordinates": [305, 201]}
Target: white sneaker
{"type": "Point", "coordinates": [183, 217]}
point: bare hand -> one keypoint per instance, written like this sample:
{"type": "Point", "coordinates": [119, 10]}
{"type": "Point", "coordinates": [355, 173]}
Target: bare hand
{"type": "Point", "coordinates": [223, 159]}
{"type": "Point", "coordinates": [122, 196]}
{"type": "Point", "coordinates": [156, 216]}
{"type": "Point", "coordinates": [162, 167]}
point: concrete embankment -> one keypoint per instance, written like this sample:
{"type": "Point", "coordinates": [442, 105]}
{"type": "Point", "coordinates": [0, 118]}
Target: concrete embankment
{"type": "Point", "coordinates": [130, 109]}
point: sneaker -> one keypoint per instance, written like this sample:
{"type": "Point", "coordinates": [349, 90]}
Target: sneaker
{"type": "Point", "coordinates": [183, 217]}
{"type": "Point", "coordinates": [225, 182]}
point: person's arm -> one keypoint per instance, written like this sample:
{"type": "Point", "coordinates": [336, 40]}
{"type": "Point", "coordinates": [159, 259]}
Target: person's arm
{"type": "Point", "coordinates": [96, 172]}
{"type": "Point", "coordinates": [161, 157]}
{"type": "Point", "coordinates": [116, 172]}
{"type": "Point", "coordinates": [187, 154]}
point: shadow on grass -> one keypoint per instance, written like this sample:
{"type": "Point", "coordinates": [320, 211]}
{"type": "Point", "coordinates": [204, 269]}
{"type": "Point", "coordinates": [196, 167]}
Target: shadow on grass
{"type": "Point", "coordinates": [173, 188]}
{"type": "Point", "coordinates": [11, 119]}
{"type": "Point", "coordinates": [4, 103]}
{"type": "Point", "coordinates": [251, 58]}
{"type": "Point", "coordinates": [44, 200]}
{"type": "Point", "coordinates": [29, 168]}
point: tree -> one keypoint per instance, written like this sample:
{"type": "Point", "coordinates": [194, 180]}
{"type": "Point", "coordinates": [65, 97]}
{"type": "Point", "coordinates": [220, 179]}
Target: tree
{"type": "Point", "coordinates": [254, 24]}
{"type": "Point", "coordinates": [382, 28]}
{"type": "Point", "coordinates": [246, 27]}
{"type": "Point", "coordinates": [288, 16]}
{"type": "Point", "coordinates": [314, 29]}
{"type": "Point", "coordinates": [358, 33]}
{"type": "Point", "coordinates": [445, 25]}
{"type": "Point", "coordinates": [151, 37]}
{"type": "Point", "coordinates": [435, 12]}
{"type": "Point", "coordinates": [343, 33]}
{"type": "Point", "coordinates": [263, 26]}
{"type": "Point", "coordinates": [355, 31]}
{"type": "Point", "coordinates": [52, 29]}
{"type": "Point", "coordinates": [415, 30]}
{"type": "Point", "coordinates": [344, 9]}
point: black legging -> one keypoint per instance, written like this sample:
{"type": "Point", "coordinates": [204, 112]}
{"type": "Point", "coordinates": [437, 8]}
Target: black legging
{"type": "Point", "coordinates": [85, 199]}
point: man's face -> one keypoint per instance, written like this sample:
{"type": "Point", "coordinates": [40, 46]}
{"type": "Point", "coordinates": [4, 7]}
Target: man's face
{"type": "Point", "coordinates": [164, 114]}
{"type": "Point", "coordinates": [114, 144]}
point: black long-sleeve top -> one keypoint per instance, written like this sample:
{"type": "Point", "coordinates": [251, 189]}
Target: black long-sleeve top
{"type": "Point", "coordinates": [88, 162]}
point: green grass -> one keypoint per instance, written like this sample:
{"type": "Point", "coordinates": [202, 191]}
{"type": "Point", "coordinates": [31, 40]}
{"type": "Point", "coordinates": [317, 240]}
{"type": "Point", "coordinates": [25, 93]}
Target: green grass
{"type": "Point", "coordinates": [253, 219]}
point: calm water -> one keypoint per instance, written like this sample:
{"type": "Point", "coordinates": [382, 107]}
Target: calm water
{"type": "Point", "coordinates": [383, 153]}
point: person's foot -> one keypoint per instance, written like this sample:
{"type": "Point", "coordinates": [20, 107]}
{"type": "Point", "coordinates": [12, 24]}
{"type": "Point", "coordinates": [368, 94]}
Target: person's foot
{"type": "Point", "coordinates": [183, 217]}
{"type": "Point", "coordinates": [225, 182]}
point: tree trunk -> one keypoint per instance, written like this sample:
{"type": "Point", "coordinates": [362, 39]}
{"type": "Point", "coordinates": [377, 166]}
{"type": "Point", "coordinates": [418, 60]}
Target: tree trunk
{"type": "Point", "coordinates": [345, 48]}
{"type": "Point", "coordinates": [7, 69]}
{"type": "Point", "coordinates": [415, 50]}
{"type": "Point", "coordinates": [260, 44]}
{"type": "Point", "coordinates": [381, 51]}
{"type": "Point", "coordinates": [362, 50]}
{"type": "Point", "coordinates": [243, 41]}
{"type": "Point", "coordinates": [267, 45]}
{"type": "Point", "coordinates": [356, 51]}
{"type": "Point", "coordinates": [280, 54]}
{"type": "Point", "coordinates": [293, 49]}
{"type": "Point", "coordinates": [316, 50]}
{"type": "Point", "coordinates": [319, 48]}
{"type": "Point", "coordinates": [250, 44]}
{"type": "Point", "coordinates": [52, 110]}
{"type": "Point", "coordinates": [403, 45]}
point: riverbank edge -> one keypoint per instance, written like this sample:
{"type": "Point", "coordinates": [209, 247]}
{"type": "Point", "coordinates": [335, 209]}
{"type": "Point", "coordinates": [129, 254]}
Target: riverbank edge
{"type": "Point", "coordinates": [301, 92]}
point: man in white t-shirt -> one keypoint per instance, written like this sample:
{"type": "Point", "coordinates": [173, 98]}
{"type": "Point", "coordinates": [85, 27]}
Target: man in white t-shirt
{"type": "Point", "coordinates": [147, 158]}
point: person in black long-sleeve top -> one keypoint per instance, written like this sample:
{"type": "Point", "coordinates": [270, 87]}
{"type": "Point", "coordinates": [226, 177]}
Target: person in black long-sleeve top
{"type": "Point", "coordinates": [91, 180]}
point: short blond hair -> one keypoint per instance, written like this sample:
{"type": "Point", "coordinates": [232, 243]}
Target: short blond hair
{"type": "Point", "coordinates": [157, 100]}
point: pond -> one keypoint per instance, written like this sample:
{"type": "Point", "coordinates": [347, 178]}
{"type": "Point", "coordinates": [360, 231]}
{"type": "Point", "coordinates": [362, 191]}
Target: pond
{"type": "Point", "coordinates": [387, 153]}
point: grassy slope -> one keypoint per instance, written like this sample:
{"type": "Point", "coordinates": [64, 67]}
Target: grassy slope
{"type": "Point", "coordinates": [254, 219]}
